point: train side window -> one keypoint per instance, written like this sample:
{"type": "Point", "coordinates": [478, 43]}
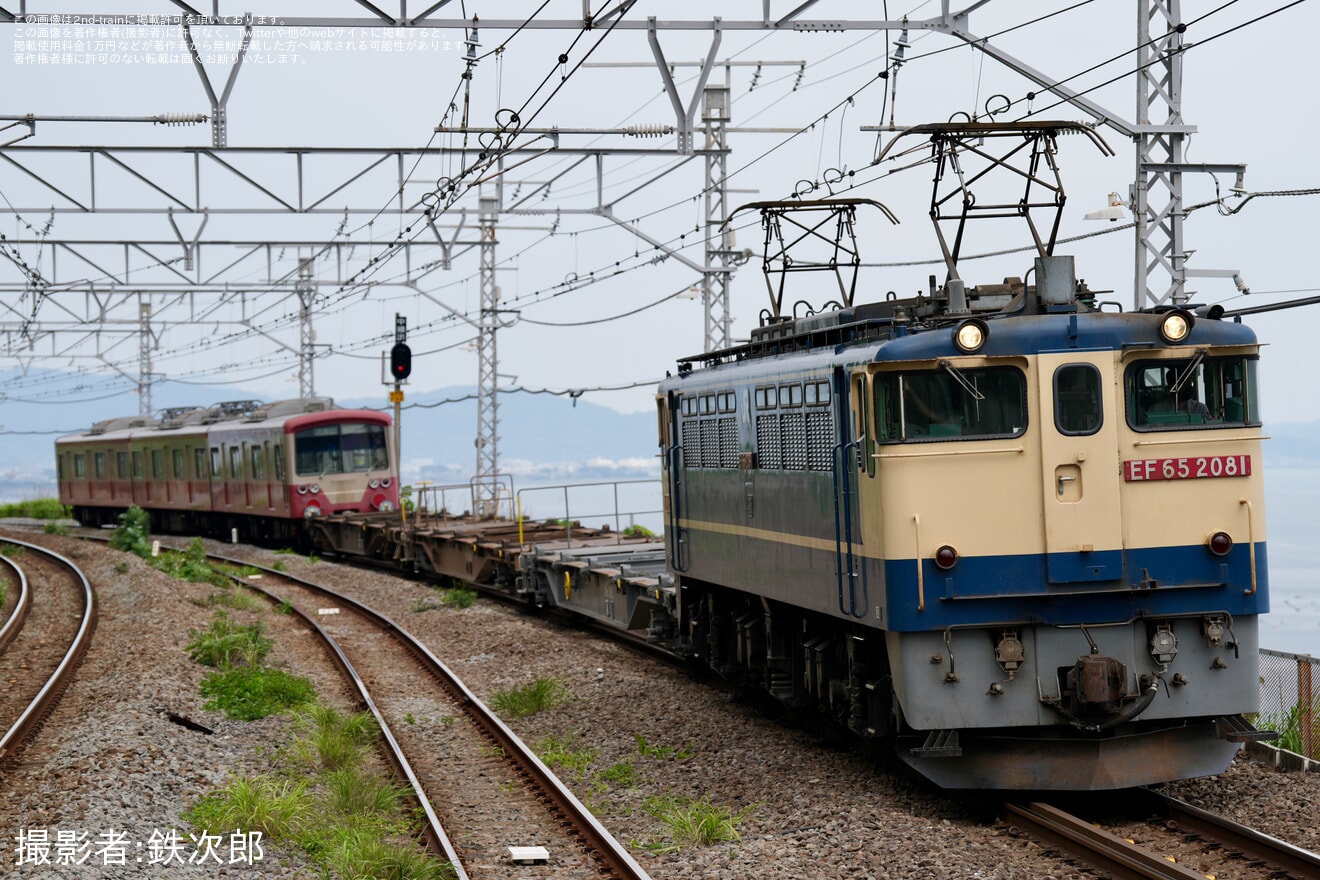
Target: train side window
{"type": "Point", "coordinates": [258, 464]}
{"type": "Point", "coordinates": [1077, 407]}
{"type": "Point", "coordinates": [59, 467]}
{"type": "Point", "coordinates": [215, 462]}
{"type": "Point", "coordinates": [235, 462]}
{"type": "Point", "coordinates": [728, 402]}
{"type": "Point", "coordinates": [80, 465]}
{"type": "Point", "coordinates": [121, 464]}
{"type": "Point", "coordinates": [944, 404]}
{"type": "Point", "coordinates": [157, 465]}
{"type": "Point", "coordinates": [137, 465]}
{"type": "Point", "coordinates": [279, 463]}
{"type": "Point", "coordinates": [790, 395]}
{"type": "Point", "coordinates": [199, 463]}
{"type": "Point", "coordinates": [766, 398]}
{"type": "Point", "coordinates": [99, 464]}
{"type": "Point", "coordinates": [818, 393]}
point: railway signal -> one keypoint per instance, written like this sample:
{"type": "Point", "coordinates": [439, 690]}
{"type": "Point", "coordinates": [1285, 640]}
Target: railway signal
{"type": "Point", "coordinates": [400, 361]}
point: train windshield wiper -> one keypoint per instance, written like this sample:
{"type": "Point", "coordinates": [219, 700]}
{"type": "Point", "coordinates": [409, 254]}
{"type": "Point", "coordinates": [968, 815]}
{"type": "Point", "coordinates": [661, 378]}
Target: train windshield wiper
{"type": "Point", "coordinates": [1187, 374]}
{"type": "Point", "coordinates": [961, 379]}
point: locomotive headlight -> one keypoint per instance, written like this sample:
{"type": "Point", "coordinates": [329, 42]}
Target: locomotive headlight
{"type": "Point", "coordinates": [1176, 326]}
{"type": "Point", "coordinates": [946, 558]}
{"type": "Point", "coordinates": [385, 483]}
{"type": "Point", "coordinates": [312, 509]}
{"type": "Point", "coordinates": [302, 490]}
{"type": "Point", "coordinates": [387, 505]}
{"type": "Point", "coordinates": [315, 488]}
{"type": "Point", "coordinates": [374, 483]}
{"type": "Point", "coordinates": [970, 335]}
{"type": "Point", "coordinates": [1219, 543]}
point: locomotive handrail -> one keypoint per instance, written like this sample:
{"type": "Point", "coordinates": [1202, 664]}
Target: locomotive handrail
{"type": "Point", "coordinates": [1251, 544]}
{"type": "Point", "coordinates": [921, 578]}
{"type": "Point", "coordinates": [1015, 449]}
{"type": "Point", "coordinates": [1219, 439]}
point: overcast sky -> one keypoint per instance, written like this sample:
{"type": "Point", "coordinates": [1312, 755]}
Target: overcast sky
{"type": "Point", "coordinates": [1240, 90]}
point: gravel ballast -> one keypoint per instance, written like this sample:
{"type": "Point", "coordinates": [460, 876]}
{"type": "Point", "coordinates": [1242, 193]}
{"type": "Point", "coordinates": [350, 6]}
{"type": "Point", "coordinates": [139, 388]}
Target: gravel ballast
{"type": "Point", "coordinates": [111, 760]}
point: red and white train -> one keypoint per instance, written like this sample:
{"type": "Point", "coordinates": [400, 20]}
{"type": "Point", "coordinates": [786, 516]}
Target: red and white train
{"type": "Point", "coordinates": [258, 468]}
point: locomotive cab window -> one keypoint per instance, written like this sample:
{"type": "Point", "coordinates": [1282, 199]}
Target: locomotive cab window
{"type": "Point", "coordinates": [1077, 408]}
{"type": "Point", "coordinates": [1195, 393]}
{"type": "Point", "coordinates": [950, 404]}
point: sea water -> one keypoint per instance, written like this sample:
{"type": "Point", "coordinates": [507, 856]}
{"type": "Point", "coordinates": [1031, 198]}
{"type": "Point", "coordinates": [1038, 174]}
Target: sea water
{"type": "Point", "coordinates": [1292, 514]}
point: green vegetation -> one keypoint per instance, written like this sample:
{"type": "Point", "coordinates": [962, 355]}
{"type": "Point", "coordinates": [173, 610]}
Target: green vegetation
{"type": "Point", "coordinates": [36, 508]}
{"type": "Point", "coordinates": [329, 741]}
{"type": "Point", "coordinates": [663, 753]}
{"type": "Point", "coordinates": [348, 820]}
{"type": "Point", "coordinates": [225, 643]}
{"type": "Point", "coordinates": [638, 532]}
{"type": "Point", "coordinates": [1289, 727]}
{"type": "Point", "coordinates": [276, 807]}
{"type": "Point", "coordinates": [559, 754]}
{"type": "Point", "coordinates": [4, 591]}
{"type": "Point", "coordinates": [284, 607]}
{"type": "Point", "coordinates": [693, 823]}
{"type": "Point", "coordinates": [544, 693]}
{"type": "Point", "coordinates": [133, 533]}
{"type": "Point", "coordinates": [56, 528]}
{"type": "Point", "coordinates": [13, 551]}
{"type": "Point", "coordinates": [458, 597]}
{"type": "Point", "coordinates": [246, 693]}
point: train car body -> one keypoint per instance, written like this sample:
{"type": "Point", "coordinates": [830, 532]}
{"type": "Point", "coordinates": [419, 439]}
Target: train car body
{"type": "Point", "coordinates": [1025, 537]}
{"type": "Point", "coordinates": [260, 469]}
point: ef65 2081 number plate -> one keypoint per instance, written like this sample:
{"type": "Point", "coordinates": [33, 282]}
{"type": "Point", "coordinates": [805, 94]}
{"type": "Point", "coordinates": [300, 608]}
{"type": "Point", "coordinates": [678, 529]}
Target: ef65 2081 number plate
{"type": "Point", "coordinates": [1141, 470]}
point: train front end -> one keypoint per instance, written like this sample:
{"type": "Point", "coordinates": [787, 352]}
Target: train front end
{"type": "Point", "coordinates": [1070, 506]}
{"type": "Point", "coordinates": [340, 461]}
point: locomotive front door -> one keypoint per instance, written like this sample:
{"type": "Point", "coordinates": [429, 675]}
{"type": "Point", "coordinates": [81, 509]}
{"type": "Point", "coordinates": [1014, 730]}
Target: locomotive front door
{"type": "Point", "coordinates": [1078, 433]}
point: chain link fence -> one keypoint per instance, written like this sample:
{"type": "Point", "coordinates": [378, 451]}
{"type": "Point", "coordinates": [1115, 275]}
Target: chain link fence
{"type": "Point", "coordinates": [1288, 702]}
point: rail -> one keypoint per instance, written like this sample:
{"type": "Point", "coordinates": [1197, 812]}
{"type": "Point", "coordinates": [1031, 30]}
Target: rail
{"type": "Point", "coordinates": [44, 702]}
{"type": "Point", "coordinates": [613, 859]}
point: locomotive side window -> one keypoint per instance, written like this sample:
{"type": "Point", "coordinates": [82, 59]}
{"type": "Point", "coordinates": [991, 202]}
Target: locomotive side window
{"type": "Point", "coordinates": [258, 464]}
{"type": "Point", "coordinates": [99, 464]}
{"type": "Point", "coordinates": [235, 463]}
{"type": "Point", "coordinates": [121, 464]}
{"type": "Point", "coordinates": [79, 465]}
{"type": "Point", "coordinates": [215, 463]}
{"type": "Point", "coordinates": [1077, 408]}
{"type": "Point", "coordinates": [1197, 393]}
{"type": "Point", "coordinates": [950, 404]}
{"type": "Point", "coordinates": [199, 464]}
{"type": "Point", "coordinates": [279, 463]}
{"type": "Point", "coordinates": [818, 394]}
{"type": "Point", "coordinates": [179, 472]}
{"type": "Point", "coordinates": [157, 465]}
{"type": "Point", "coordinates": [137, 465]}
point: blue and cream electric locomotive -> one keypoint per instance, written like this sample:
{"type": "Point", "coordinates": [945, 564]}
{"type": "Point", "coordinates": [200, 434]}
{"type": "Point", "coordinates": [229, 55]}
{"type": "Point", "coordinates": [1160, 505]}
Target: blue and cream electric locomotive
{"type": "Point", "coordinates": [1019, 532]}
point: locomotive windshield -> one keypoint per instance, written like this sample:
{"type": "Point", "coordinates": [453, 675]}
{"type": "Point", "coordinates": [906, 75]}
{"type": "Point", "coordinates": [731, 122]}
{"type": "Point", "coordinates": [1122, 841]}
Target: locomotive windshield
{"type": "Point", "coordinates": [950, 404]}
{"type": "Point", "coordinates": [339, 449]}
{"type": "Point", "coordinates": [1198, 392]}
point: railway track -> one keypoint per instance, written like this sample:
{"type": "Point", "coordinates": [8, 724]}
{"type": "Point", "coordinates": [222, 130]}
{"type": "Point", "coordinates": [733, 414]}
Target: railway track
{"type": "Point", "coordinates": [470, 772]}
{"type": "Point", "coordinates": [43, 639]}
{"type": "Point", "coordinates": [1179, 842]}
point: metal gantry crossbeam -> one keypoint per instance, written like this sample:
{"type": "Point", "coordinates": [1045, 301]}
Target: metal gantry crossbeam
{"type": "Point", "coordinates": [311, 181]}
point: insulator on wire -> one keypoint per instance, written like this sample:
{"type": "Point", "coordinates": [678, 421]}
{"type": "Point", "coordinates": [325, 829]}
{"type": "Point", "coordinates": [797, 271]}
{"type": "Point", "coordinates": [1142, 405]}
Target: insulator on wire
{"type": "Point", "coordinates": [179, 119]}
{"type": "Point", "coordinates": [648, 130]}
